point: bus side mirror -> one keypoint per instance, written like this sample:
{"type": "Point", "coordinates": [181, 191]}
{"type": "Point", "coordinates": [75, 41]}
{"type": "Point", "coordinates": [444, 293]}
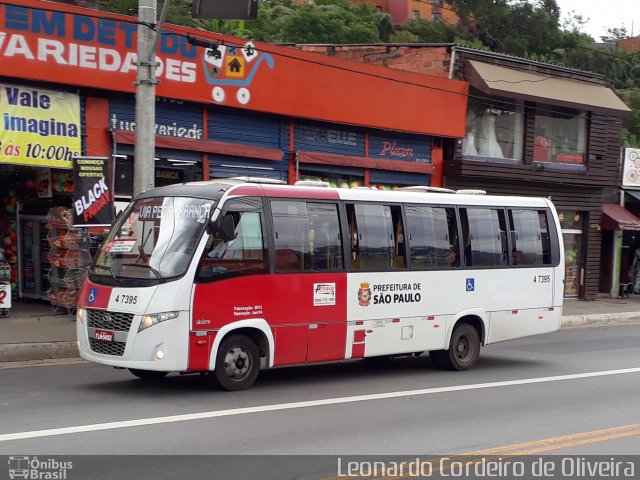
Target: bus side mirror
{"type": "Point", "coordinates": [227, 228]}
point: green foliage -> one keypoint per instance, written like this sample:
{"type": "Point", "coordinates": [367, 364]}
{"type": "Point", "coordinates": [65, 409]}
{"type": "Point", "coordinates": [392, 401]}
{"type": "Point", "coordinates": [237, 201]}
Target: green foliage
{"type": "Point", "coordinates": [325, 21]}
{"type": "Point", "coordinates": [404, 36]}
{"type": "Point", "coordinates": [331, 21]}
{"type": "Point", "coordinates": [631, 123]}
{"type": "Point", "coordinates": [432, 32]}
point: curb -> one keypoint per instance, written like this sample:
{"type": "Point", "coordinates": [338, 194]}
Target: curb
{"type": "Point", "coordinates": [20, 352]}
{"type": "Point", "coordinates": [600, 319]}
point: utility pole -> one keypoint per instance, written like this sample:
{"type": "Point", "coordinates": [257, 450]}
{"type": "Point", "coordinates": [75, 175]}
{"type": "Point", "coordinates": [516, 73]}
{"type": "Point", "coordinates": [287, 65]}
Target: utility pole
{"type": "Point", "coordinates": [144, 149]}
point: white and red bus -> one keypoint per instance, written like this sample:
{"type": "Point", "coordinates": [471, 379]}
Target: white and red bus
{"type": "Point", "coordinates": [233, 276]}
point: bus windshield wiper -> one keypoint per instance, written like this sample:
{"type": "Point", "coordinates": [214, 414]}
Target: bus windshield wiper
{"type": "Point", "coordinates": [116, 279]}
{"type": "Point", "coordinates": [148, 267]}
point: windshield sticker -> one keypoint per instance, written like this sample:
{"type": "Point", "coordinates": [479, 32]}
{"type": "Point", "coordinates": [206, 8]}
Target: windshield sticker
{"type": "Point", "coordinates": [324, 294]}
{"type": "Point", "coordinates": [157, 212]}
{"type": "Point", "coordinates": [120, 246]}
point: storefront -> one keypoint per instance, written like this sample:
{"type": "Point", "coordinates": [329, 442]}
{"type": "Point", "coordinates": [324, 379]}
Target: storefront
{"type": "Point", "coordinates": [236, 108]}
{"type": "Point", "coordinates": [621, 232]}
{"type": "Point", "coordinates": [539, 129]}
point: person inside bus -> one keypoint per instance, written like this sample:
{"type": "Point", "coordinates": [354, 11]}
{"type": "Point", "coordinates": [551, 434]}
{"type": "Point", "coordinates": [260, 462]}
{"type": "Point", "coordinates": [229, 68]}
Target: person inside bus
{"type": "Point", "coordinates": [354, 240]}
{"type": "Point", "coordinates": [454, 259]}
{"type": "Point", "coordinates": [516, 257]}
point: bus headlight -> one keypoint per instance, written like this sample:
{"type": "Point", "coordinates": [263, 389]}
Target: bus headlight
{"type": "Point", "coordinates": [81, 315]}
{"type": "Point", "coordinates": [150, 320]}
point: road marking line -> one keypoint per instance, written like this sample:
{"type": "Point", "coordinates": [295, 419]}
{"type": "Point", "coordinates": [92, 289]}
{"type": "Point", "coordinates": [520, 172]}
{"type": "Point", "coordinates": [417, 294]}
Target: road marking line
{"type": "Point", "coordinates": [295, 405]}
{"type": "Point", "coordinates": [563, 438]}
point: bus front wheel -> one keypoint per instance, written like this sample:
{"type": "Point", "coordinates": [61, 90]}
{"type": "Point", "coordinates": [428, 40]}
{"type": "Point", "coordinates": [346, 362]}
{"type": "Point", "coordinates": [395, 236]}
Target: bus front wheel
{"type": "Point", "coordinates": [237, 363]}
{"type": "Point", "coordinates": [463, 352]}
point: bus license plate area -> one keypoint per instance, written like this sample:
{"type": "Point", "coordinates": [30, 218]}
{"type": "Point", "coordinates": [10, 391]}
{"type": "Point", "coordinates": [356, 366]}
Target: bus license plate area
{"type": "Point", "coordinates": [103, 336]}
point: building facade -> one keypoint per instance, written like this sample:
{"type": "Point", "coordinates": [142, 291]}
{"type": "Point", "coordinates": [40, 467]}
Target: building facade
{"type": "Point", "coordinates": [232, 108]}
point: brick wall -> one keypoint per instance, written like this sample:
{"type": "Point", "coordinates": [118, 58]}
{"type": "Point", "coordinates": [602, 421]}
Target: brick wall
{"type": "Point", "coordinates": [428, 60]}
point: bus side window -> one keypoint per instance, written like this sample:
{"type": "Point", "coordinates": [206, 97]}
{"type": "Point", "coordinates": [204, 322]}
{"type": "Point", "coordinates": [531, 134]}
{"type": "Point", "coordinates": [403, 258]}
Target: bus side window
{"type": "Point", "coordinates": [377, 246]}
{"type": "Point", "coordinates": [484, 237]}
{"type": "Point", "coordinates": [529, 237]}
{"type": "Point", "coordinates": [306, 236]}
{"type": "Point", "coordinates": [244, 254]}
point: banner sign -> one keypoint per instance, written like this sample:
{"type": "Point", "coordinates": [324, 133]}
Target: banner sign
{"type": "Point", "coordinates": [631, 168]}
{"type": "Point", "coordinates": [38, 127]}
{"type": "Point", "coordinates": [51, 42]}
{"type": "Point", "coordinates": [93, 192]}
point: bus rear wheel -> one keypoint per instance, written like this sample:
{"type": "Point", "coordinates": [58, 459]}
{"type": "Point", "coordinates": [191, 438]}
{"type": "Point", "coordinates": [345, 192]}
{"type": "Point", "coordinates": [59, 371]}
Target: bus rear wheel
{"type": "Point", "coordinates": [237, 363]}
{"type": "Point", "coordinates": [464, 349]}
{"type": "Point", "coordinates": [148, 374]}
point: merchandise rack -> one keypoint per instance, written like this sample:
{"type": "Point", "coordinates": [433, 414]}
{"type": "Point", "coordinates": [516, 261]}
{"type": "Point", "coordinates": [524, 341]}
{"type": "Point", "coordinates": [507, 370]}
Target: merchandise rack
{"type": "Point", "coordinates": [69, 257]}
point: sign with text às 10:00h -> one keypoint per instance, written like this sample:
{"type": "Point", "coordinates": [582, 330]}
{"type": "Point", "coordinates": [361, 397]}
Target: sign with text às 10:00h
{"type": "Point", "coordinates": [38, 127]}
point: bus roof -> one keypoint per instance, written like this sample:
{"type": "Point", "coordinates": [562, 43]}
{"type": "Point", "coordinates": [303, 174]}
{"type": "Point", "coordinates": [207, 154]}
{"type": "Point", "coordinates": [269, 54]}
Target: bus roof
{"type": "Point", "coordinates": [235, 187]}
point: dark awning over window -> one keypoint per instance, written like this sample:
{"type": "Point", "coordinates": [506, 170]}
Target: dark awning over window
{"type": "Point", "coordinates": [615, 217]}
{"type": "Point", "coordinates": [508, 82]}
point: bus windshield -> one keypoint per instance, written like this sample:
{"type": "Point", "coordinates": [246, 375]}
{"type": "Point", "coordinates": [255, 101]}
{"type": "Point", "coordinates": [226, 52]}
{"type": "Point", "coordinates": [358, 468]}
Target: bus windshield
{"type": "Point", "coordinates": [154, 239]}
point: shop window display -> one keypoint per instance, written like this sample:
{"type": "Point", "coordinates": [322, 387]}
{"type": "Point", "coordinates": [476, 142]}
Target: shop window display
{"type": "Point", "coordinates": [572, 223]}
{"type": "Point", "coordinates": [560, 136]}
{"type": "Point", "coordinates": [333, 181]}
{"type": "Point", "coordinates": [494, 129]}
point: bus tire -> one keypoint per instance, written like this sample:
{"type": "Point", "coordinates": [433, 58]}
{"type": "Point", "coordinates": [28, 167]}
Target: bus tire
{"type": "Point", "coordinates": [148, 374]}
{"type": "Point", "coordinates": [237, 363]}
{"type": "Point", "coordinates": [464, 348]}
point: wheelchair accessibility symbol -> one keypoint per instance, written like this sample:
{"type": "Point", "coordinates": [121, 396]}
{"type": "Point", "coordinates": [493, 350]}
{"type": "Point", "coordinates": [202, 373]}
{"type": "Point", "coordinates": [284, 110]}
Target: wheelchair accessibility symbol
{"type": "Point", "coordinates": [92, 295]}
{"type": "Point", "coordinates": [471, 284]}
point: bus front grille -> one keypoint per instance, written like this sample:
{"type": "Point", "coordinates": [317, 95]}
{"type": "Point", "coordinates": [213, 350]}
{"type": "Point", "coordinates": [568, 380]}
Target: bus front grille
{"type": "Point", "coordinates": [111, 348]}
{"type": "Point", "coordinates": [116, 321]}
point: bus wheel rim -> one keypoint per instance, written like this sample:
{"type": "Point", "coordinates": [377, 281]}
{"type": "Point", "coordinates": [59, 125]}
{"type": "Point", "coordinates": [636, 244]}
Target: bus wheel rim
{"type": "Point", "coordinates": [237, 363]}
{"type": "Point", "coordinates": [463, 348]}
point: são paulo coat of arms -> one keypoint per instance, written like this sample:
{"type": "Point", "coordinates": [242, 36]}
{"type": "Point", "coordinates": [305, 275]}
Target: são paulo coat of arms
{"type": "Point", "coordinates": [364, 295]}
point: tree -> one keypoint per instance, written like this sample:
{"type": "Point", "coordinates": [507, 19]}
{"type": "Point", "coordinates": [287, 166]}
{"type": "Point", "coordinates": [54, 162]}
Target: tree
{"type": "Point", "coordinates": [514, 27]}
{"type": "Point", "coordinates": [631, 123]}
{"type": "Point", "coordinates": [331, 21]}
{"type": "Point", "coordinates": [431, 31]}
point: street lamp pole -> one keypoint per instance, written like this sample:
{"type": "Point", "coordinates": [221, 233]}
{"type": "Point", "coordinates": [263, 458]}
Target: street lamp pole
{"type": "Point", "coordinates": [144, 149]}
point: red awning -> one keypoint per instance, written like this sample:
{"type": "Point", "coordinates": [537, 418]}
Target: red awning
{"type": "Point", "coordinates": [615, 217]}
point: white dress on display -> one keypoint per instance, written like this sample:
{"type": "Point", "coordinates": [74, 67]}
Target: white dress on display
{"type": "Point", "coordinates": [488, 145]}
{"type": "Point", "coordinates": [469, 144]}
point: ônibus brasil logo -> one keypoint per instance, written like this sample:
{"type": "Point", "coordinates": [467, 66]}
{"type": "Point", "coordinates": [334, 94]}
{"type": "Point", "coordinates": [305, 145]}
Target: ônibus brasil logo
{"type": "Point", "coordinates": [40, 469]}
{"type": "Point", "coordinates": [364, 295]}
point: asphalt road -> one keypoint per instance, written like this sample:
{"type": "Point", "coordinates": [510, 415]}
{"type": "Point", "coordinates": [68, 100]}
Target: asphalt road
{"type": "Point", "coordinates": [575, 392]}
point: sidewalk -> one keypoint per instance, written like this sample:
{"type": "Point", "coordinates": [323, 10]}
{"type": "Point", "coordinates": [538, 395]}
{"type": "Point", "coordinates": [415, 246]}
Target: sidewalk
{"type": "Point", "coordinates": [34, 332]}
